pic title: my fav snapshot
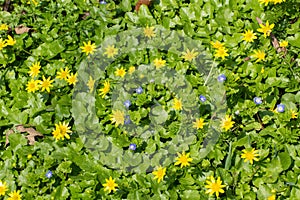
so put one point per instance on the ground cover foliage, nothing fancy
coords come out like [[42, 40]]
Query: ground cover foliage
[[178, 100]]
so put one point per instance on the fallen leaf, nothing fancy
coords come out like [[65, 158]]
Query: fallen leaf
[[32, 133], [22, 29], [141, 2]]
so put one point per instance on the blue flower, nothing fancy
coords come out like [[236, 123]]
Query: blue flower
[[132, 147], [221, 78], [103, 2], [49, 174], [127, 120], [257, 100], [139, 90], [202, 98], [127, 103], [280, 108]]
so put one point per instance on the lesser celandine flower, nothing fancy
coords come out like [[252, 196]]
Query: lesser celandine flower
[[2, 44], [3, 27], [249, 36], [294, 114], [227, 123], [158, 63], [72, 78], [272, 197], [131, 69], [266, 29], [217, 44], [283, 43], [259, 55], [46, 84], [177, 105], [91, 84], [10, 41], [199, 123], [33, 85], [106, 88], [61, 131], [189, 55], [15, 195], [149, 32], [221, 53], [117, 117], [266, 2], [111, 51], [183, 159], [3, 188], [214, 186], [110, 185], [120, 72], [88, 48], [250, 155], [159, 173], [34, 69], [63, 74]]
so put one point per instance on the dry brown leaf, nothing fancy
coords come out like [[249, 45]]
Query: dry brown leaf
[[140, 2], [22, 29], [32, 133]]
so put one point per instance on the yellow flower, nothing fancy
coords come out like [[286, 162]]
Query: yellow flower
[[159, 174], [183, 159], [131, 69], [149, 32], [278, 1], [33, 1], [177, 105], [199, 123], [117, 117], [214, 186], [61, 131], [88, 48], [103, 91], [15, 195], [29, 156], [91, 83], [266, 2], [158, 63], [33, 85], [217, 44], [63, 74], [221, 53], [2, 44], [10, 41], [34, 69], [110, 185], [227, 123], [283, 43], [272, 197], [260, 55], [3, 27], [249, 36], [72, 79], [262, 70], [3, 188], [189, 55], [120, 72], [294, 114], [266, 29], [46, 84], [111, 51], [250, 155]]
